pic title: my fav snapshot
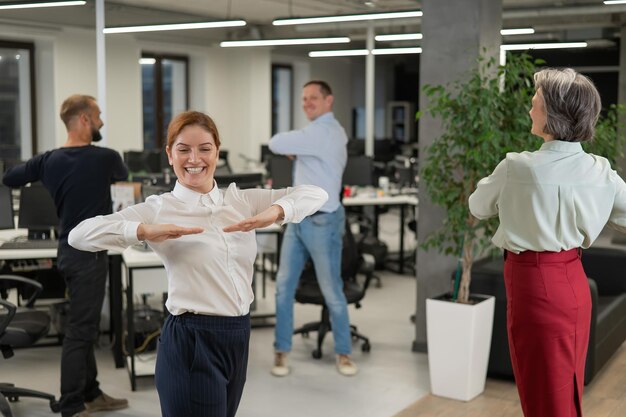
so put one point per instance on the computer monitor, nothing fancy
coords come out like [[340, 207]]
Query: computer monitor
[[243, 180], [280, 170], [266, 153], [143, 161], [147, 190], [163, 179], [356, 147], [37, 212], [359, 171], [6, 208]]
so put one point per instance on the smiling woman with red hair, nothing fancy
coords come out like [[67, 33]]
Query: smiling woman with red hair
[[205, 238]]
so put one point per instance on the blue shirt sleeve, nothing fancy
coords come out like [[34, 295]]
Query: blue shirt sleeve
[[299, 142]]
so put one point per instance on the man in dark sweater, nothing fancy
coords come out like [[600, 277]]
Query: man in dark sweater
[[78, 176]]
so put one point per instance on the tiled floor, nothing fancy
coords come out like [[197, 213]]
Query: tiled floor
[[391, 376]]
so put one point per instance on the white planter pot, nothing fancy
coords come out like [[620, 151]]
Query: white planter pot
[[459, 339]]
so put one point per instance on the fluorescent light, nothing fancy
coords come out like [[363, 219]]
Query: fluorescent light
[[177, 26], [398, 37], [520, 31], [609, 2], [347, 52], [555, 45], [396, 51], [275, 42], [347, 18], [363, 52], [147, 61], [47, 4]]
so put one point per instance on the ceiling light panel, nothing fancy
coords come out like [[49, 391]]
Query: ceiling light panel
[[347, 18], [38, 5], [176, 26], [285, 42]]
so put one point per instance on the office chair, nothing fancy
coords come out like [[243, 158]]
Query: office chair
[[308, 291], [223, 167], [21, 327]]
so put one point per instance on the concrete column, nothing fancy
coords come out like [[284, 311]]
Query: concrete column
[[455, 34], [621, 92]]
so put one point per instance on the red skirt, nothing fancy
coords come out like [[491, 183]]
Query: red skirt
[[548, 319]]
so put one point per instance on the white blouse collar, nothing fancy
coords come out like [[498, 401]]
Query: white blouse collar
[[195, 198]]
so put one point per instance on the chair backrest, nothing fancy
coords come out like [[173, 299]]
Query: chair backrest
[[359, 171], [308, 290], [280, 170]]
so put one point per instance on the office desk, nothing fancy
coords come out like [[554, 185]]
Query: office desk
[[115, 292], [135, 261], [401, 201]]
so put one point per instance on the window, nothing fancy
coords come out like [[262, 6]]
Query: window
[[282, 93], [17, 102], [165, 89]]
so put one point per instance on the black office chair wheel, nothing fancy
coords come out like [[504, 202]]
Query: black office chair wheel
[[365, 347], [317, 354], [55, 406], [12, 398]]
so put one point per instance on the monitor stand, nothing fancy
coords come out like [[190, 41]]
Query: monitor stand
[[39, 234]]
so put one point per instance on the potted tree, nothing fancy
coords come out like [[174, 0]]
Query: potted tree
[[483, 118]]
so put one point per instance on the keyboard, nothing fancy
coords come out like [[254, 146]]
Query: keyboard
[[30, 244]]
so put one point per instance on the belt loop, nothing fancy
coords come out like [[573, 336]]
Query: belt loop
[[537, 258], [580, 253]]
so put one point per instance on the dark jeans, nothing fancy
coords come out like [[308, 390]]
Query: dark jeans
[[85, 275]]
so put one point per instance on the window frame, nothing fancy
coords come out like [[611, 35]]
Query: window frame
[[157, 83], [30, 46]]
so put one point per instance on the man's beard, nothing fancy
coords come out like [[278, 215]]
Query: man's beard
[[96, 136]]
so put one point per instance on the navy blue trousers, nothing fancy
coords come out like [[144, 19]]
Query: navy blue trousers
[[201, 365]]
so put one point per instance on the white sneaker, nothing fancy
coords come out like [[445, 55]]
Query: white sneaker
[[280, 367], [345, 366]]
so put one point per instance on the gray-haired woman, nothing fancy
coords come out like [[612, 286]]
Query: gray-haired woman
[[551, 203]]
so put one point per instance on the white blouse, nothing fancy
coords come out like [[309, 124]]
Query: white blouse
[[553, 199], [211, 272]]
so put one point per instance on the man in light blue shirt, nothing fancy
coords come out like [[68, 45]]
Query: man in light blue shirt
[[319, 154]]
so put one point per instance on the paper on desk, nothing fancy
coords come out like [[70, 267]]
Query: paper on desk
[[123, 195]]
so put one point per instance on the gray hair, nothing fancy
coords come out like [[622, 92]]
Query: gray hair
[[572, 104]]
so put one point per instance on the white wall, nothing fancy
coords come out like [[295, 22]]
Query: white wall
[[238, 97], [337, 72], [44, 93], [124, 115], [301, 75], [383, 82], [233, 86]]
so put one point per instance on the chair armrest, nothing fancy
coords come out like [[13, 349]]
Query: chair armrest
[[37, 287], [6, 318]]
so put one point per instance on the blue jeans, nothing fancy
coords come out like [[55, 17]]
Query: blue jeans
[[320, 238]]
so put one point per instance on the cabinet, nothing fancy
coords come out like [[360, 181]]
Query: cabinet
[[401, 121]]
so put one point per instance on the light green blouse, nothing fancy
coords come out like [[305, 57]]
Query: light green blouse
[[553, 199]]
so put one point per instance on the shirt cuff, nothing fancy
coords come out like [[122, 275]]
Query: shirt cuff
[[130, 232], [288, 209]]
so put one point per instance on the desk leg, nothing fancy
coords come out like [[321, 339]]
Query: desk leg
[[130, 329], [115, 306], [401, 260]]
